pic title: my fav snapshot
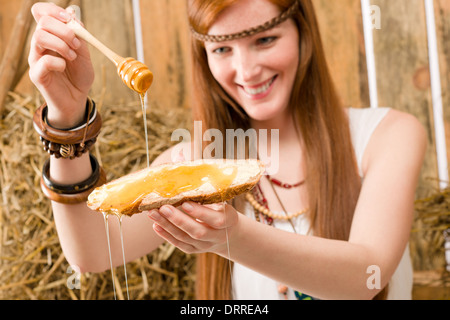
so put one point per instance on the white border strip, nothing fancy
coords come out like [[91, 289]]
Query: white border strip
[[138, 30], [370, 53], [138, 36], [439, 127]]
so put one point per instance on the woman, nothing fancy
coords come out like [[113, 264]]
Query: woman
[[338, 180]]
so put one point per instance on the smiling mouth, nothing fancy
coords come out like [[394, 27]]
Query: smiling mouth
[[261, 89]]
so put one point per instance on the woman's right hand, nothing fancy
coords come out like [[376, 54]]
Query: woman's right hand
[[60, 65]]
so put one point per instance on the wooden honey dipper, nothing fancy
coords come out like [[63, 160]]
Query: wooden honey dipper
[[133, 73]]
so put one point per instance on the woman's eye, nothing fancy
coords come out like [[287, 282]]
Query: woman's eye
[[266, 40], [221, 50]]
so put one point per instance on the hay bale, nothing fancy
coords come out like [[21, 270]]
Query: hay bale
[[427, 244], [432, 218], [32, 265]]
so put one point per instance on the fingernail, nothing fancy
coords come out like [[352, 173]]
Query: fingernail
[[76, 43], [187, 206], [72, 54], [166, 211], [65, 16], [217, 206], [153, 215], [157, 227]]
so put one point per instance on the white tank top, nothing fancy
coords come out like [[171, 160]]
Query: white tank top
[[250, 285]]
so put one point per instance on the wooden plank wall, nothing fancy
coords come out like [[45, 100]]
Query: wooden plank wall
[[403, 70], [343, 40], [442, 8], [111, 22], [166, 47], [401, 52], [8, 11], [400, 48]]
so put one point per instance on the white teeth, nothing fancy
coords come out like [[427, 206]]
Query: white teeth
[[259, 90]]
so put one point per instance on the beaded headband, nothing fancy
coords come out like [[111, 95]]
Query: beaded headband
[[249, 32]]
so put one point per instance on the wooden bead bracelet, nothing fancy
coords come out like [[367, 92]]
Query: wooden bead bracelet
[[67, 151]]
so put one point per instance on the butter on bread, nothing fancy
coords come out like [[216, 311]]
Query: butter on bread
[[204, 181]]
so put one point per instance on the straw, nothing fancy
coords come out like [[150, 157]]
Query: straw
[[32, 264]]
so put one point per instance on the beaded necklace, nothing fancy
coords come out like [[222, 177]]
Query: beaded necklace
[[258, 201], [285, 185]]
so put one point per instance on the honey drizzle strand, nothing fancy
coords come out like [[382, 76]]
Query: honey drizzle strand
[[144, 115], [119, 217], [105, 217]]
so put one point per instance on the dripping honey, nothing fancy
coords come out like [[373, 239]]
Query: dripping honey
[[167, 183], [138, 78], [144, 115], [135, 75]]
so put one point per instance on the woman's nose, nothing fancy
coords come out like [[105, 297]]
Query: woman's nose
[[246, 65]]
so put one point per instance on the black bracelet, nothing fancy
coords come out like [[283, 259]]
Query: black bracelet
[[73, 188]]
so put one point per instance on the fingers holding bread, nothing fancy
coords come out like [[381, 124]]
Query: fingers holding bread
[[194, 228], [218, 216]]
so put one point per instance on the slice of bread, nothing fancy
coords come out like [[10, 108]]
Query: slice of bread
[[201, 181]]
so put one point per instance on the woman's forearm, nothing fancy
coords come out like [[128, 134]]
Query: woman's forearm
[[79, 230], [323, 268], [82, 232]]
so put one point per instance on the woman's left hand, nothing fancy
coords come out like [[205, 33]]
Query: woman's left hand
[[195, 228]]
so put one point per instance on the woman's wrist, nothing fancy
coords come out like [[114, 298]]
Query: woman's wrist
[[71, 181], [67, 172], [66, 118], [233, 239]]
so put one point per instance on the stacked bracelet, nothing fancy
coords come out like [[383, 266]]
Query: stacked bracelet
[[70, 143], [75, 193]]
